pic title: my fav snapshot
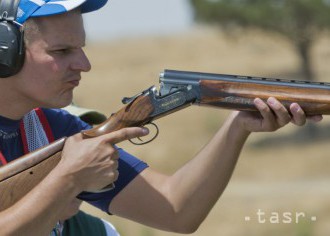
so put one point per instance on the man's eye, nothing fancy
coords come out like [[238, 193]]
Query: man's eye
[[62, 51]]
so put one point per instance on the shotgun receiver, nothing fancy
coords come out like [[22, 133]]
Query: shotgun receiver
[[178, 89]]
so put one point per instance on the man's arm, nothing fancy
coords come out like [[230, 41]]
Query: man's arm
[[86, 164], [38, 211], [181, 202]]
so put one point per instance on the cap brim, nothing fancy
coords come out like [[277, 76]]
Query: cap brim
[[37, 8], [88, 115]]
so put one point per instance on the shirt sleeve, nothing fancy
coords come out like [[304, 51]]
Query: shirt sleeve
[[65, 124]]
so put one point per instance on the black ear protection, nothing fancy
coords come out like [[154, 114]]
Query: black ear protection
[[11, 39]]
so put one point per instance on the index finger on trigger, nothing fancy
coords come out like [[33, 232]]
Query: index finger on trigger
[[125, 134]]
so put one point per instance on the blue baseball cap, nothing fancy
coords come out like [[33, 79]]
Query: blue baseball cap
[[36, 8]]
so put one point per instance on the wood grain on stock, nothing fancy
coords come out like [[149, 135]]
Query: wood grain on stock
[[20, 176], [240, 96], [136, 113]]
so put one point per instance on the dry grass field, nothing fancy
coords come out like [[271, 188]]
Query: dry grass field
[[281, 180]]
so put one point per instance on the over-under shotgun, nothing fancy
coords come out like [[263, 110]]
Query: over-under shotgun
[[178, 89]]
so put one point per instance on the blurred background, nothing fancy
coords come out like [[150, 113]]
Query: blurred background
[[281, 183]]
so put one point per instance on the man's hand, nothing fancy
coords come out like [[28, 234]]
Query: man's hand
[[273, 115], [92, 163]]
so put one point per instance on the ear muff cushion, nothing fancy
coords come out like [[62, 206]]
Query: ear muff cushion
[[11, 49]]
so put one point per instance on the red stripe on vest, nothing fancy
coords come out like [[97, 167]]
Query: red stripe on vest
[[2, 159], [44, 122], [23, 137]]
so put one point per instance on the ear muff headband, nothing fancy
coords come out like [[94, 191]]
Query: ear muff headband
[[11, 39]]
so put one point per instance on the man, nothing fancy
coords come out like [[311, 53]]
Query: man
[[54, 60]]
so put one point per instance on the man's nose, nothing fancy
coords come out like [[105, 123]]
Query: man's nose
[[81, 62]]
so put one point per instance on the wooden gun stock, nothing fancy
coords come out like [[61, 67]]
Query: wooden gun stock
[[178, 89], [22, 175]]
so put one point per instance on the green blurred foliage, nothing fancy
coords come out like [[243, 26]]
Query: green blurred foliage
[[301, 21]]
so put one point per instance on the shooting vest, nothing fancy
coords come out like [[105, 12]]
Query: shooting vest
[[35, 132]]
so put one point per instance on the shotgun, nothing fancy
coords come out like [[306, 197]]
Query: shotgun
[[177, 90]]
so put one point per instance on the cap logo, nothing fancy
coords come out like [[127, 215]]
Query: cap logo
[[27, 8]]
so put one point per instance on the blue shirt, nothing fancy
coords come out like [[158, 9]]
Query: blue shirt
[[64, 124]]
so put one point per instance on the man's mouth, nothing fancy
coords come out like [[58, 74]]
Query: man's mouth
[[75, 83]]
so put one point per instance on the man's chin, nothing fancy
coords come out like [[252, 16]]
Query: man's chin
[[59, 104]]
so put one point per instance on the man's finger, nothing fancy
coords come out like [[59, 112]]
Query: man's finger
[[298, 115], [263, 109], [282, 115], [124, 134]]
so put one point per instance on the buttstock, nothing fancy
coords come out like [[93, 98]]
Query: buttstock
[[19, 177]]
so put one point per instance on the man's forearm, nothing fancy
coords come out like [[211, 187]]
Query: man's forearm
[[38, 211], [180, 202], [201, 181]]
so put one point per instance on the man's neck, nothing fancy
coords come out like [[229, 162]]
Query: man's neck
[[10, 111], [13, 108]]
